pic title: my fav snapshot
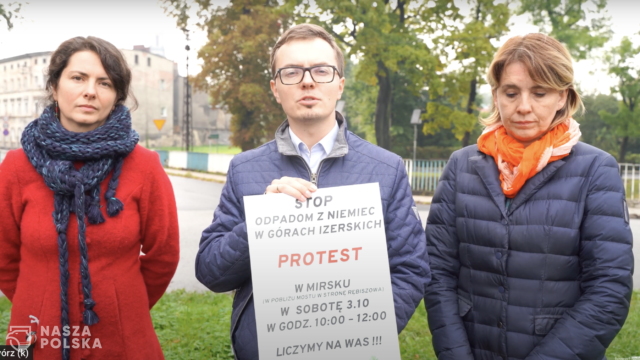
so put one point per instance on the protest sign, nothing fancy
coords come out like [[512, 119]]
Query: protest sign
[[320, 272]]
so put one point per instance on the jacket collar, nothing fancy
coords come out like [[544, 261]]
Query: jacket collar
[[488, 171], [286, 147]]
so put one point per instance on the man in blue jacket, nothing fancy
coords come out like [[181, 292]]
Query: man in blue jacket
[[312, 149]]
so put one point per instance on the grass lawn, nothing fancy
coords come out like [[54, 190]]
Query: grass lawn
[[5, 316], [213, 149], [196, 326]]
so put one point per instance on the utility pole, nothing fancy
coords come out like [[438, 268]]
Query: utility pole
[[187, 127], [415, 121]]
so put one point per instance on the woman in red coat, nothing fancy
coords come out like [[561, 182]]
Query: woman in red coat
[[82, 281]]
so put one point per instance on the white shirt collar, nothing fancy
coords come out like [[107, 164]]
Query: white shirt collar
[[326, 142]]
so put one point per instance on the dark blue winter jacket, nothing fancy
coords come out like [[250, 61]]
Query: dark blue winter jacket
[[223, 263], [546, 275]]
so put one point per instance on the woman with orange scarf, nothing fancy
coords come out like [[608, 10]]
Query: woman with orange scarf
[[528, 232]]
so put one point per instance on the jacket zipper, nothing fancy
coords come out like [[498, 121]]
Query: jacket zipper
[[313, 177], [314, 180]]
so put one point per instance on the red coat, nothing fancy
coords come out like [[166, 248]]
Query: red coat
[[132, 258]]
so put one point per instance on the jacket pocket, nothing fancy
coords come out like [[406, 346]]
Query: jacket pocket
[[464, 306], [544, 323]]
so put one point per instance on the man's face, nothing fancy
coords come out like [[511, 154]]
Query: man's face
[[307, 102]]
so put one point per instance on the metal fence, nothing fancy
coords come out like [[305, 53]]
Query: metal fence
[[630, 174], [424, 174]]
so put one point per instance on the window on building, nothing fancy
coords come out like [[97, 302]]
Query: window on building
[[44, 61], [135, 59], [35, 61], [163, 111], [35, 81], [11, 87], [26, 106], [18, 106], [148, 61], [11, 66], [18, 65], [161, 84], [25, 83], [35, 108], [25, 64]]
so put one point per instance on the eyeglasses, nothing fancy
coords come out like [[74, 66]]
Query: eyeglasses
[[320, 74]]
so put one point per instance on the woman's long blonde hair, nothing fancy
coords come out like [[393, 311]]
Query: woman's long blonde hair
[[549, 64]]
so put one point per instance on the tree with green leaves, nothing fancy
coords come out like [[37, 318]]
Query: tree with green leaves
[[236, 68], [388, 40], [595, 130], [9, 12], [626, 122], [360, 103], [582, 25], [453, 104]]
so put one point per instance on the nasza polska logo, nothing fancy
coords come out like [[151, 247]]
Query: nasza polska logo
[[75, 337]]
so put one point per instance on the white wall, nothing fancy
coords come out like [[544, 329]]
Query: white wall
[[219, 163], [177, 159]]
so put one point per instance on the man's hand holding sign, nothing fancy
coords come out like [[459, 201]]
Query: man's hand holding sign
[[298, 188]]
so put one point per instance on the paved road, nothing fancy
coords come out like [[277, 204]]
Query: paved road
[[197, 199]]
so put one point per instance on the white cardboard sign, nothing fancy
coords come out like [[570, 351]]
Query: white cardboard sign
[[320, 272]]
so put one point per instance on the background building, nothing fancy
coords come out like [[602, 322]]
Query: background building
[[153, 86], [22, 95], [206, 119], [156, 85]]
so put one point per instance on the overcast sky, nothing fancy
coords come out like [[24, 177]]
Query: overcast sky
[[125, 23]]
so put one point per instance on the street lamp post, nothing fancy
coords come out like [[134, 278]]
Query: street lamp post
[[187, 136], [415, 121]]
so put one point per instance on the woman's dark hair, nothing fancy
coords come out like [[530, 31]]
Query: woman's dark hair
[[112, 60]]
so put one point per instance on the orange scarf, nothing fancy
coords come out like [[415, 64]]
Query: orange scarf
[[518, 164]]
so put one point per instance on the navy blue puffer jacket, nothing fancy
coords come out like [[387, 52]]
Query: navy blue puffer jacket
[[545, 276], [223, 263]]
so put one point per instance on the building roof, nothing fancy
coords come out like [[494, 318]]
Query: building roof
[[25, 56], [46, 53], [149, 50]]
